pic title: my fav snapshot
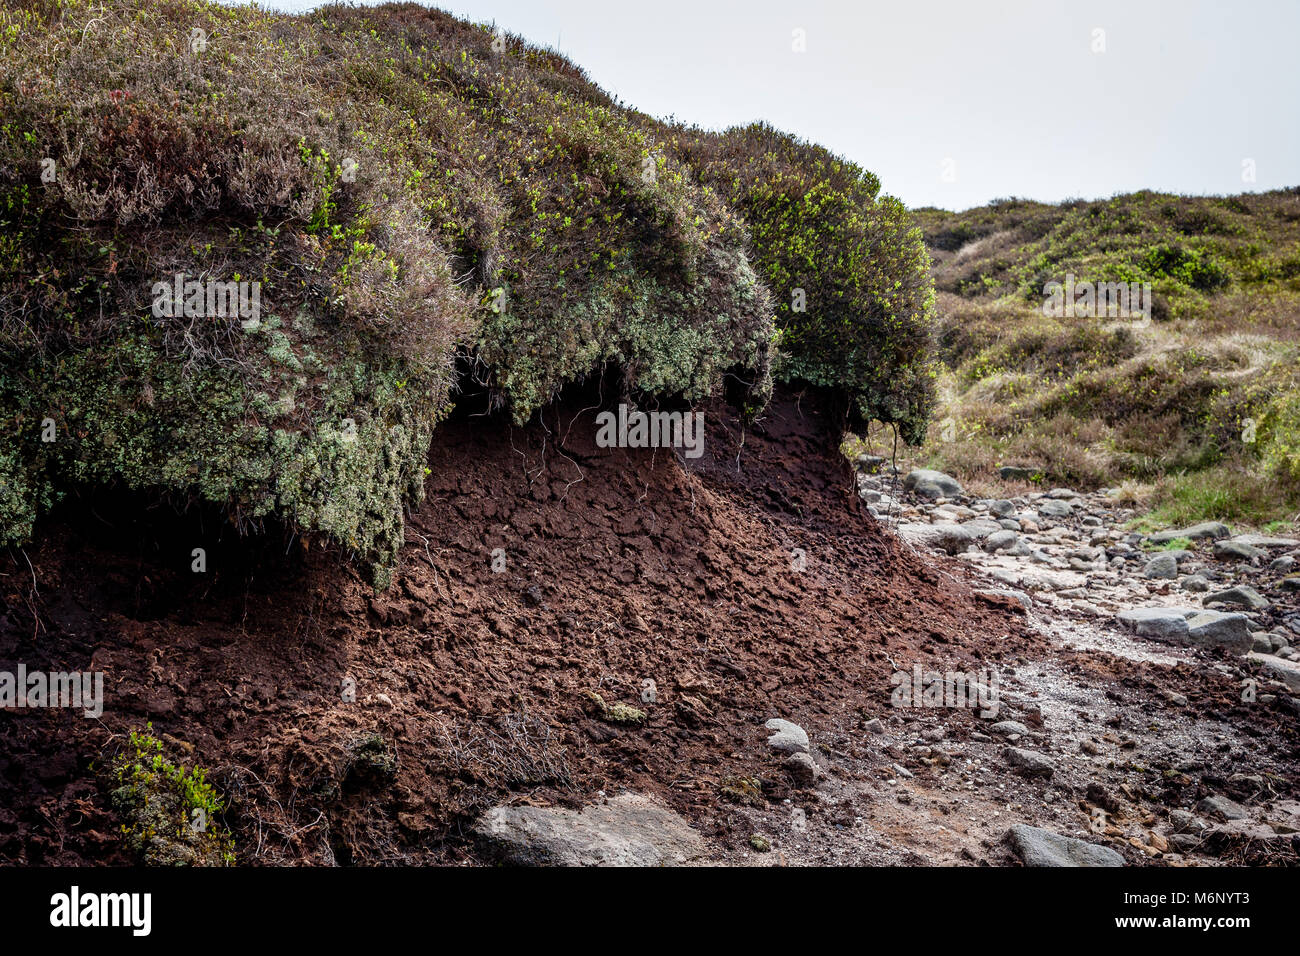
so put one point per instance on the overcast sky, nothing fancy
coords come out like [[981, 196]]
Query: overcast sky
[[957, 102]]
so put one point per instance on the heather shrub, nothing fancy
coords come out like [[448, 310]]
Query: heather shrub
[[848, 270], [418, 201]]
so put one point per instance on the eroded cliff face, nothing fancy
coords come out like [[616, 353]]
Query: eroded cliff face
[[541, 571]]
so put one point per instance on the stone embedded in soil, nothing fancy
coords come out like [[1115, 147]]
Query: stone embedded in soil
[[1034, 764], [1206, 529], [1038, 847], [1001, 540], [1160, 623], [1020, 597], [1242, 594], [951, 538], [626, 830], [1054, 508], [1220, 629], [1236, 550], [1220, 806], [931, 484], [1265, 541], [1009, 728], [802, 769], [1184, 821], [1162, 566], [787, 737], [1284, 670], [1014, 473]]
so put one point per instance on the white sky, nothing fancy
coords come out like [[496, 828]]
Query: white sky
[[1010, 91]]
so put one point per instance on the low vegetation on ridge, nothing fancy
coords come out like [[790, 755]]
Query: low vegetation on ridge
[[1194, 408]]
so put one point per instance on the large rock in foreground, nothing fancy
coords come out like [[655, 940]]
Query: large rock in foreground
[[627, 830], [1220, 629], [1039, 847], [1181, 625]]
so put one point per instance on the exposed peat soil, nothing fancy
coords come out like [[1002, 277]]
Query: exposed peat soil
[[746, 584]]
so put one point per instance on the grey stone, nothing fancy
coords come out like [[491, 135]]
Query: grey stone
[[1265, 541], [1220, 629], [1002, 508], [1015, 473], [1161, 623], [1195, 582], [786, 737], [1279, 668], [1241, 594], [982, 527], [1053, 508], [1235, 550], [1289, 585], [1184, 821], [1206, 529], [953, 538], [1001, 540], [1032, 763], [1161, 567], [946, 485], [1220, 806], [627, 830], [802, 769], [1009, 728], [1038, 847]]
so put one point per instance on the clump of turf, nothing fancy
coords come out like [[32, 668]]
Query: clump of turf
[[413, 199]]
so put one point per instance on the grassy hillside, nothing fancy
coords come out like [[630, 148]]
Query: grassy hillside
[[1197, 410], [420, 201]]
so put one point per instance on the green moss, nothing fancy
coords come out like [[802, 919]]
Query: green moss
[[615, 713], [745, 790], [173, 815]]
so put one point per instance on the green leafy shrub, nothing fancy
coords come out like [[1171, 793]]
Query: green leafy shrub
[[848, 269], [1200, 270]]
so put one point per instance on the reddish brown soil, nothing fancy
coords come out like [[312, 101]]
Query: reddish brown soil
[[621, 566]]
